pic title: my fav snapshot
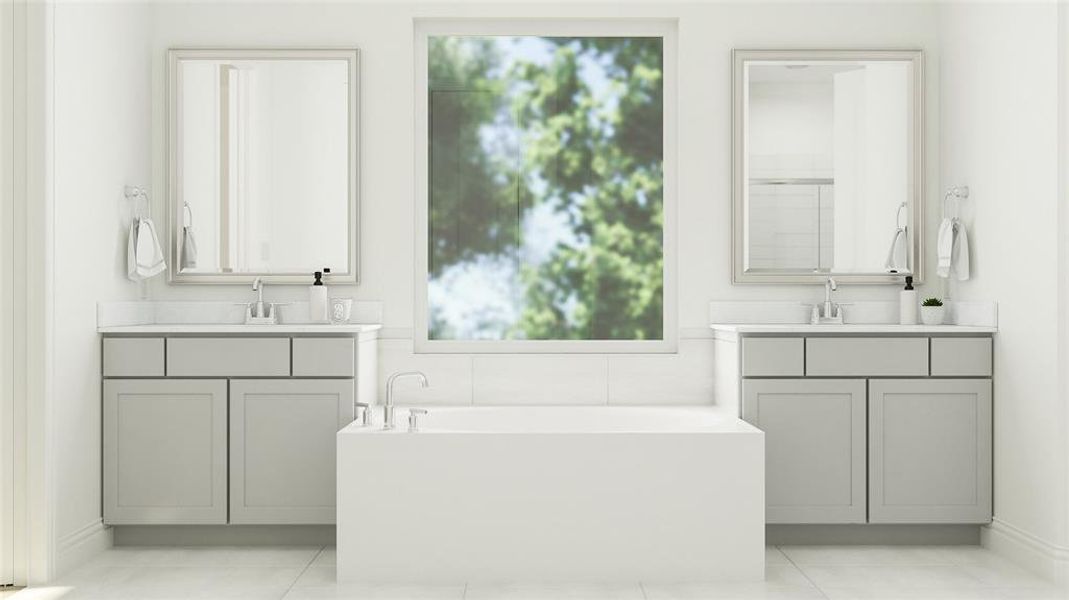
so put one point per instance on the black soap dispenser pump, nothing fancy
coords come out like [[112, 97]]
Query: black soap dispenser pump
[[907, 304], [318, 299]]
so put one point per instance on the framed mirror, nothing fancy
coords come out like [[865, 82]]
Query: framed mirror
[[263, 173], [828, 165]]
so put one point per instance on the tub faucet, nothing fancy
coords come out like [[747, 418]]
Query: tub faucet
[[387, 409]]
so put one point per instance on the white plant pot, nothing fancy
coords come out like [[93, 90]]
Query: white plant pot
[[932, 315]]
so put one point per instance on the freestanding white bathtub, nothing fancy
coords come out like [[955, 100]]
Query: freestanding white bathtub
[[552, 494]]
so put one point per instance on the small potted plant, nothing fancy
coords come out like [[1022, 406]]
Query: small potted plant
[[932, 311]]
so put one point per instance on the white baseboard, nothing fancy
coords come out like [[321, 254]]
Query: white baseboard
[[77, 547], [1036, 554]]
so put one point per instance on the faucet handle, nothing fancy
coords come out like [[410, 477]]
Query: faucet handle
[[363, 411], [413, 418]]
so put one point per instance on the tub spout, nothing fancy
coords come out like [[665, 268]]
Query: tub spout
[[387, 409]]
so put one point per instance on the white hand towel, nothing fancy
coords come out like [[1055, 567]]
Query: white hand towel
[[896, 254], [944, 247], [189, 248], [959, 256], [131, 251], [149, 254]]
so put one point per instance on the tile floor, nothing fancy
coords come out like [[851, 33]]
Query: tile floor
[[793, 572]]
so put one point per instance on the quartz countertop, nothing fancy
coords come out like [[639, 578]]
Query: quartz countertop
[[848, 328], [241, 328]]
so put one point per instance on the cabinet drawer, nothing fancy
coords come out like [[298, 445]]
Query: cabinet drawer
[[324, 357], [867, 357], [773, 357], [133, 357], [961, 357], [228, 357]]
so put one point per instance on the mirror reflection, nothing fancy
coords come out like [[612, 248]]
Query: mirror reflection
[[264, 149], [828, 170]]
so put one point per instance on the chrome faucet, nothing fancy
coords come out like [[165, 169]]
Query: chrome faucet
[[830, 309], [258, 308], [387, 409], [827, 312], [259, 312]]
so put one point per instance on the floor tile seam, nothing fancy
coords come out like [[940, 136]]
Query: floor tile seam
[[804, 574], [303, 571]]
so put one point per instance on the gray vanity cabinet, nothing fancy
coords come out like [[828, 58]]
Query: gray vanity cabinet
[[930, 450], [868, 427], [165, 447], [282, 448], [229, 429], [814, 447]]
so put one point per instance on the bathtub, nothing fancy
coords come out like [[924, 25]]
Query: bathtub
[[607, 494]]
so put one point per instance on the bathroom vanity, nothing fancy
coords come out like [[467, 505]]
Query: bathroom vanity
[[866, 423], [215, 424]]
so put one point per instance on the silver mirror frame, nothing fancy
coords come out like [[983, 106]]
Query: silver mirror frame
[[738, 137], [174, 196]]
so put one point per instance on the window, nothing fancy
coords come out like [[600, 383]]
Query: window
[[544, 191]]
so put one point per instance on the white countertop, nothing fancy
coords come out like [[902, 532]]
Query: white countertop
[[848, 328], [239, 328]]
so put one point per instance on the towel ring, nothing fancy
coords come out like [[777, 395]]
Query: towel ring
[[188, 214], [958, 193], [898, 216], [135, 194]]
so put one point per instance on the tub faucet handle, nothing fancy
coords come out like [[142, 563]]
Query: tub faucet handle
[[362, 410], [413, 418]]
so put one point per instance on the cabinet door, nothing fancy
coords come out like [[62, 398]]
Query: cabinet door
[[930, 451], [814, 447], [164, 451], [282, 448]]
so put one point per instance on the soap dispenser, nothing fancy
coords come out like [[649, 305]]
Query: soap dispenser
[[318, 299], [907, 304]]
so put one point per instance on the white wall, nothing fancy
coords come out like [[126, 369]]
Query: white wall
[[7, 308], [102, 124], [999, 96], [1063, 254], [707, 33]]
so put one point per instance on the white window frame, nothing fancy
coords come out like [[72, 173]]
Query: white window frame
[[663, 28]]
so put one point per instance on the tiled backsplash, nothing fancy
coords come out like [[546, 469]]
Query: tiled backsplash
[[147, 313], [685, 377]]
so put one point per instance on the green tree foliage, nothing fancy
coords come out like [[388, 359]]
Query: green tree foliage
[[597, 163]]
